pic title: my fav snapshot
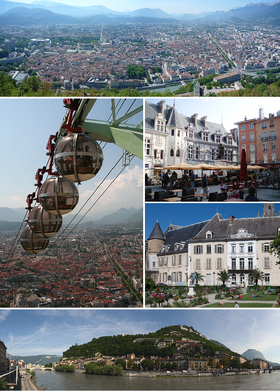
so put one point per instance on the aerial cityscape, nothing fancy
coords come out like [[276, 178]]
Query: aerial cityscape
[[61, 50], [103, 106]]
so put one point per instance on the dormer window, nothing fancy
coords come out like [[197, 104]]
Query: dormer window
[[182, 245], [218, 139], [176, 246], [209, 235]]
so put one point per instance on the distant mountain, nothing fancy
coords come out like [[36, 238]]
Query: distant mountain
[[253, 13], [250, 354], [218, 343], [12, 215], [35, 16], [150, 13], [40, 359], [121, 216]]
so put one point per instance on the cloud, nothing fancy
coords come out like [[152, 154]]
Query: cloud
[[4, 314], [126, 191]]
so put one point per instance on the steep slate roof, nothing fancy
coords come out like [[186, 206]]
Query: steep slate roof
[[259, 227], [182, 234], [181, 121], [156, 232]]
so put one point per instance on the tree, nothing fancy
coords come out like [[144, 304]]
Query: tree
[[257, 275], [211, 362], [223, 276], [149, 283], [121, 362], [197, 277], [275, 248]]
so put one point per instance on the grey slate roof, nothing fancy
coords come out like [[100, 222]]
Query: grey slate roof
[[156, 232], [179, 235], [182, 121], [259, 227]]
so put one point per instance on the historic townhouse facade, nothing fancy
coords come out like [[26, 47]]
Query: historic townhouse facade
[[236, 245], [259, 137], [172, 138]]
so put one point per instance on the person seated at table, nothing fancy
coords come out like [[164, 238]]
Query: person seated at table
[[234, 194], [251, 196], [241, 192]]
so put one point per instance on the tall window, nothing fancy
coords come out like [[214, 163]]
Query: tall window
[[233, 263], [190, 154], [263, 125], [178, 153], [243, 137], [208, 263], [208, 248], [266, 263], [171, 152], [250, 263], [242, 264], [197, 264], [147, 146], [219, 263], [251, 136], [198, 249]]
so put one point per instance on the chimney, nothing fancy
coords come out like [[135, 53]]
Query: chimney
[[203, 119], [194, 117], [230, 219], [161, 105], [261, 114]]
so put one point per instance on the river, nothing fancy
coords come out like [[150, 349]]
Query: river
[[79, 381]]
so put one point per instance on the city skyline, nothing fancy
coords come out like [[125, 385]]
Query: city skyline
[[24, 148], [177, 7], [32, 332]]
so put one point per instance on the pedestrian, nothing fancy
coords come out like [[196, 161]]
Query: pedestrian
[[241, 192], [192, 180], [236, 305], [204, 184], [162, 178]]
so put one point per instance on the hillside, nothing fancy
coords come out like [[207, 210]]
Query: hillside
[[122, 345], [40, 359]]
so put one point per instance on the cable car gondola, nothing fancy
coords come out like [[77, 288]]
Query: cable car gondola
[[78, 157], [43, 223], [58, 196], [31, 242]]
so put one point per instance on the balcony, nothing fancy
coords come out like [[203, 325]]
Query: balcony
[[272, 137], [244, 271], [264, 138]]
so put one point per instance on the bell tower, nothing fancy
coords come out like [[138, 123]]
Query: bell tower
[[268, 209]]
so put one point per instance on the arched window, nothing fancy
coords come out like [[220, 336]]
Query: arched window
[[178, 153], [171, 152]]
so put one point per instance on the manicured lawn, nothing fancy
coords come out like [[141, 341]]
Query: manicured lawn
[[241, 305], [248, 296]]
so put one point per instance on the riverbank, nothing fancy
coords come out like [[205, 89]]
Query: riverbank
[[157, 374]]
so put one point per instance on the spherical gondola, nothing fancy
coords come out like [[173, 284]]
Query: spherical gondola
[[43, 223], [58, 196], [78, 157], [31, 242]]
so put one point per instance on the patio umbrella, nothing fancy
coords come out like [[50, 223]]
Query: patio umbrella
[[243, 167], [256, 167], [179, 166]]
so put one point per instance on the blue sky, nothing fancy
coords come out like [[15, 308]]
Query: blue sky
[[226, 111], [189, 213], [174, 7], [26, 125], [32, 332]]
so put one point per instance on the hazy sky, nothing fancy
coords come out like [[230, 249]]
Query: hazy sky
[[26, 125], [227, 111], [185, 214], [32, 332], [172, 7]]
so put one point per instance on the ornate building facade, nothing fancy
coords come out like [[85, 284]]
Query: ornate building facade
[[172, 137], [236, 245]]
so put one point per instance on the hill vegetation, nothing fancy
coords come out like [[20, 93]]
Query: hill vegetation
[[123, 345]]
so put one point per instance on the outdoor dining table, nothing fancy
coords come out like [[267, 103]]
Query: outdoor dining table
[[200, 195], [172, 199]]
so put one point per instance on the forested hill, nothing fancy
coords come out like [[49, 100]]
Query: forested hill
[[122, 345]]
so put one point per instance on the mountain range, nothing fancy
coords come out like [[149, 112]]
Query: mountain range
[[40, 359], [10, 219], [44, 11]]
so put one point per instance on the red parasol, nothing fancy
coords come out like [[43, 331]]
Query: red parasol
[[243, 167]]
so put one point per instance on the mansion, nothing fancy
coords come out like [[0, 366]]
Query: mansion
[[172, 138], [236, 245]]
